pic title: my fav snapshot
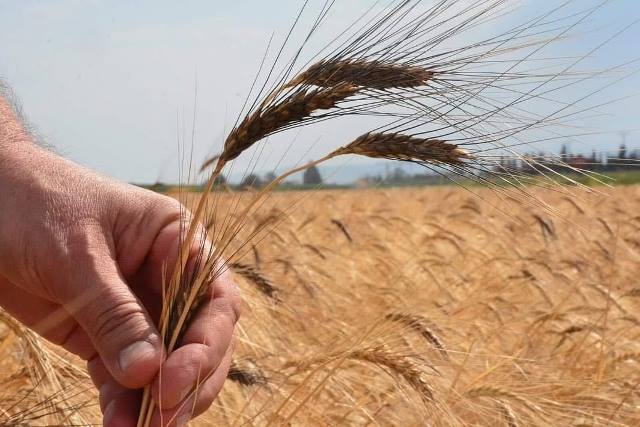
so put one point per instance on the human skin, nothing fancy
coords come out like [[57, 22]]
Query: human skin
[[81, 263]]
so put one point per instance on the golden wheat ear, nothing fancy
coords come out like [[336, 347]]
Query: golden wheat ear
[[58, 388]]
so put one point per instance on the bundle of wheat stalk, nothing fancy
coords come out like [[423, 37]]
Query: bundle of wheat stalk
[[440, 111]]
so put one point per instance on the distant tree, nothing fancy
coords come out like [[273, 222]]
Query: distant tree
[[398, 175], [220, 181], [312, 176], [564, 153], [251, 180], [528, 164], [158, 187], [269, 177], [501, 164], [373, 179], [624, 159], [593, 161]]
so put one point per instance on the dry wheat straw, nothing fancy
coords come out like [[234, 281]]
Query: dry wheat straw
[[508, 415], [397, 365], [502, 395], [45, 375], [422, 326]]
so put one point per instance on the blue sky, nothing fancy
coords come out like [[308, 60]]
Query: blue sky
[[111, 84]]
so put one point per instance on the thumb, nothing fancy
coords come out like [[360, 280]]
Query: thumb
[[115, 320]]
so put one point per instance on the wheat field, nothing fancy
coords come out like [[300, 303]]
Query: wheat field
[[406, 307]]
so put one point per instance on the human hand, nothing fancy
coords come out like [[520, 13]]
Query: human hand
[[81, 259]]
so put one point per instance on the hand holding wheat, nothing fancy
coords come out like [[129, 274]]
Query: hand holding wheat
[[81, 263]]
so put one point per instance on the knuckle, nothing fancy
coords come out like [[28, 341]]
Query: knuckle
[[230, 309], [115, 320], [172, 207]]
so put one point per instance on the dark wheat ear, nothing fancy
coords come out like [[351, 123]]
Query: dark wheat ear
[[246, 373], [253, 275], [422, 326], [396, 146], [272, 117], [363, 73], [209, 162]]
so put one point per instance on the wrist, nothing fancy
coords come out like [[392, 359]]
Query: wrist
[[16, 185], [18, 157], [19, 160], [12, 130]]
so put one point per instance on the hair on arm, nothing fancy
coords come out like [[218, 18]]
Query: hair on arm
[[14, 127]]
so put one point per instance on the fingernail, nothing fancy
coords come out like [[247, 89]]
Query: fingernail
[[183, 420], [108, 413], [135, 352]]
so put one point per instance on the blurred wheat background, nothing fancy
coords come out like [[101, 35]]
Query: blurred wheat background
[[409, 307]]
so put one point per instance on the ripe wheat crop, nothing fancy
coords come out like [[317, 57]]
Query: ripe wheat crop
[[507, 305], [441, 310]]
